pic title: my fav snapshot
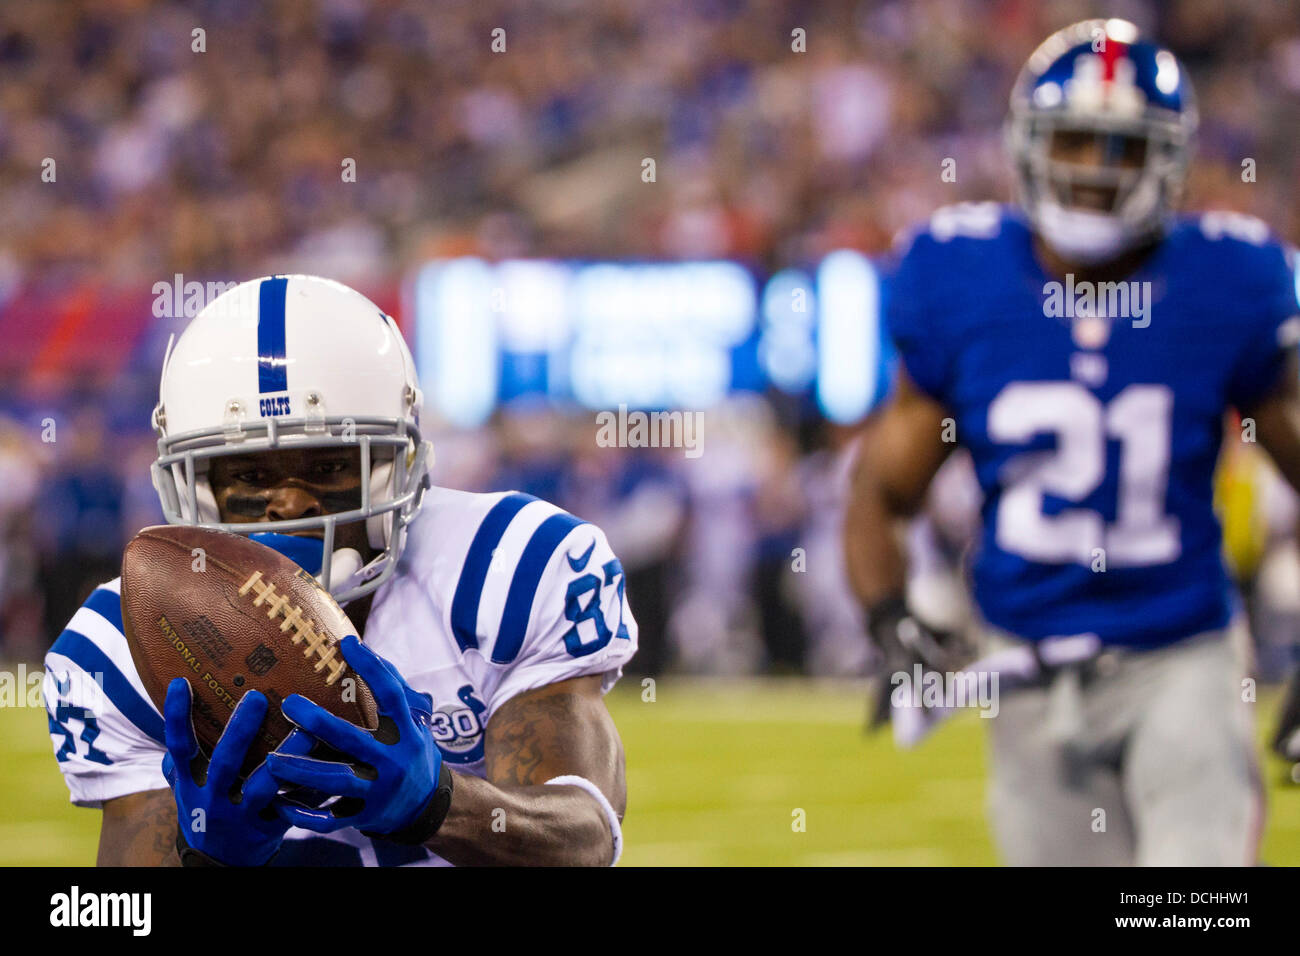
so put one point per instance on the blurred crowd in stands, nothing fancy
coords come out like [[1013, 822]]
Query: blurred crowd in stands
[[780, 130], [229, 161]]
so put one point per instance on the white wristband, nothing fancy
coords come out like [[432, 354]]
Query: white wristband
[[582, 783]]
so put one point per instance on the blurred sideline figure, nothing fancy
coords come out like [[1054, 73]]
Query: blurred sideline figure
[[1260, 512], [20, 599], [1084, 347]]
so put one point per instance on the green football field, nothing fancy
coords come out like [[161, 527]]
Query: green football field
[[718, 773]]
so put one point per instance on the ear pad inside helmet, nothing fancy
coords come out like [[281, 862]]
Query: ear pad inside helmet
[[379, 529], [203, 497], [207, 501]]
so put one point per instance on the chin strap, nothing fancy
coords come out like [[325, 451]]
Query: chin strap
[[345, 566]]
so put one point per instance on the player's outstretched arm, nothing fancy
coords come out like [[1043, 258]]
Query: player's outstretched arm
[[513, 817], [139, 829], [899, 454]]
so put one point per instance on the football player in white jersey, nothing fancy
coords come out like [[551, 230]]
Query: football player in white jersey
[[492, 624]]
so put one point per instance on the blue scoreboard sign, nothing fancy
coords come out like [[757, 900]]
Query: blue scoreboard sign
[[646, 335]]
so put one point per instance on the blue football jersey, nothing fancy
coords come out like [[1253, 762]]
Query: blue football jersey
[[1094, 414]]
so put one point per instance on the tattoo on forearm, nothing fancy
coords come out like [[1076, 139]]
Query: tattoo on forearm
[[145, 834], [541, 734], [527, 731], [162, 826]]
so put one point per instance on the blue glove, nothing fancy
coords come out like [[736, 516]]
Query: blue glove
[[395, 786], [228, 832]]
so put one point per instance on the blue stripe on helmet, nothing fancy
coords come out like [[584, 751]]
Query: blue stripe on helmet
[[272, 376]]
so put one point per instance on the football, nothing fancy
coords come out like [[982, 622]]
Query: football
[[232, 615]]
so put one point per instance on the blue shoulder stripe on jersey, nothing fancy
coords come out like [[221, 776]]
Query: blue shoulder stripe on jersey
[[82, 651], [469, 589], [272, 376], [523, 587], [108, 606]]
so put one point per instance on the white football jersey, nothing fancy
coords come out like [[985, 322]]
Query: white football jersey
[[495, 594]]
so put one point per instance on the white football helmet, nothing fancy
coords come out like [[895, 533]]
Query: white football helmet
[[296, 362]]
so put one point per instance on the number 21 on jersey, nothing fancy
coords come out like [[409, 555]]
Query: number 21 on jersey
[[1139, 418]]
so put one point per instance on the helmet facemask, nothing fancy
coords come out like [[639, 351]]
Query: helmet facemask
[[1056, 191], [393, 473]]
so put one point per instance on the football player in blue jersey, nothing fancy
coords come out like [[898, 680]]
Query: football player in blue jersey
[[1085, 346], [492, 623]]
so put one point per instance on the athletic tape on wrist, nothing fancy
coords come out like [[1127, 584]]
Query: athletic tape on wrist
[[582, 783]]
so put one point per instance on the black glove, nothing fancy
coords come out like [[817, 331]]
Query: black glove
[[1286, 742], [905, 641]]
